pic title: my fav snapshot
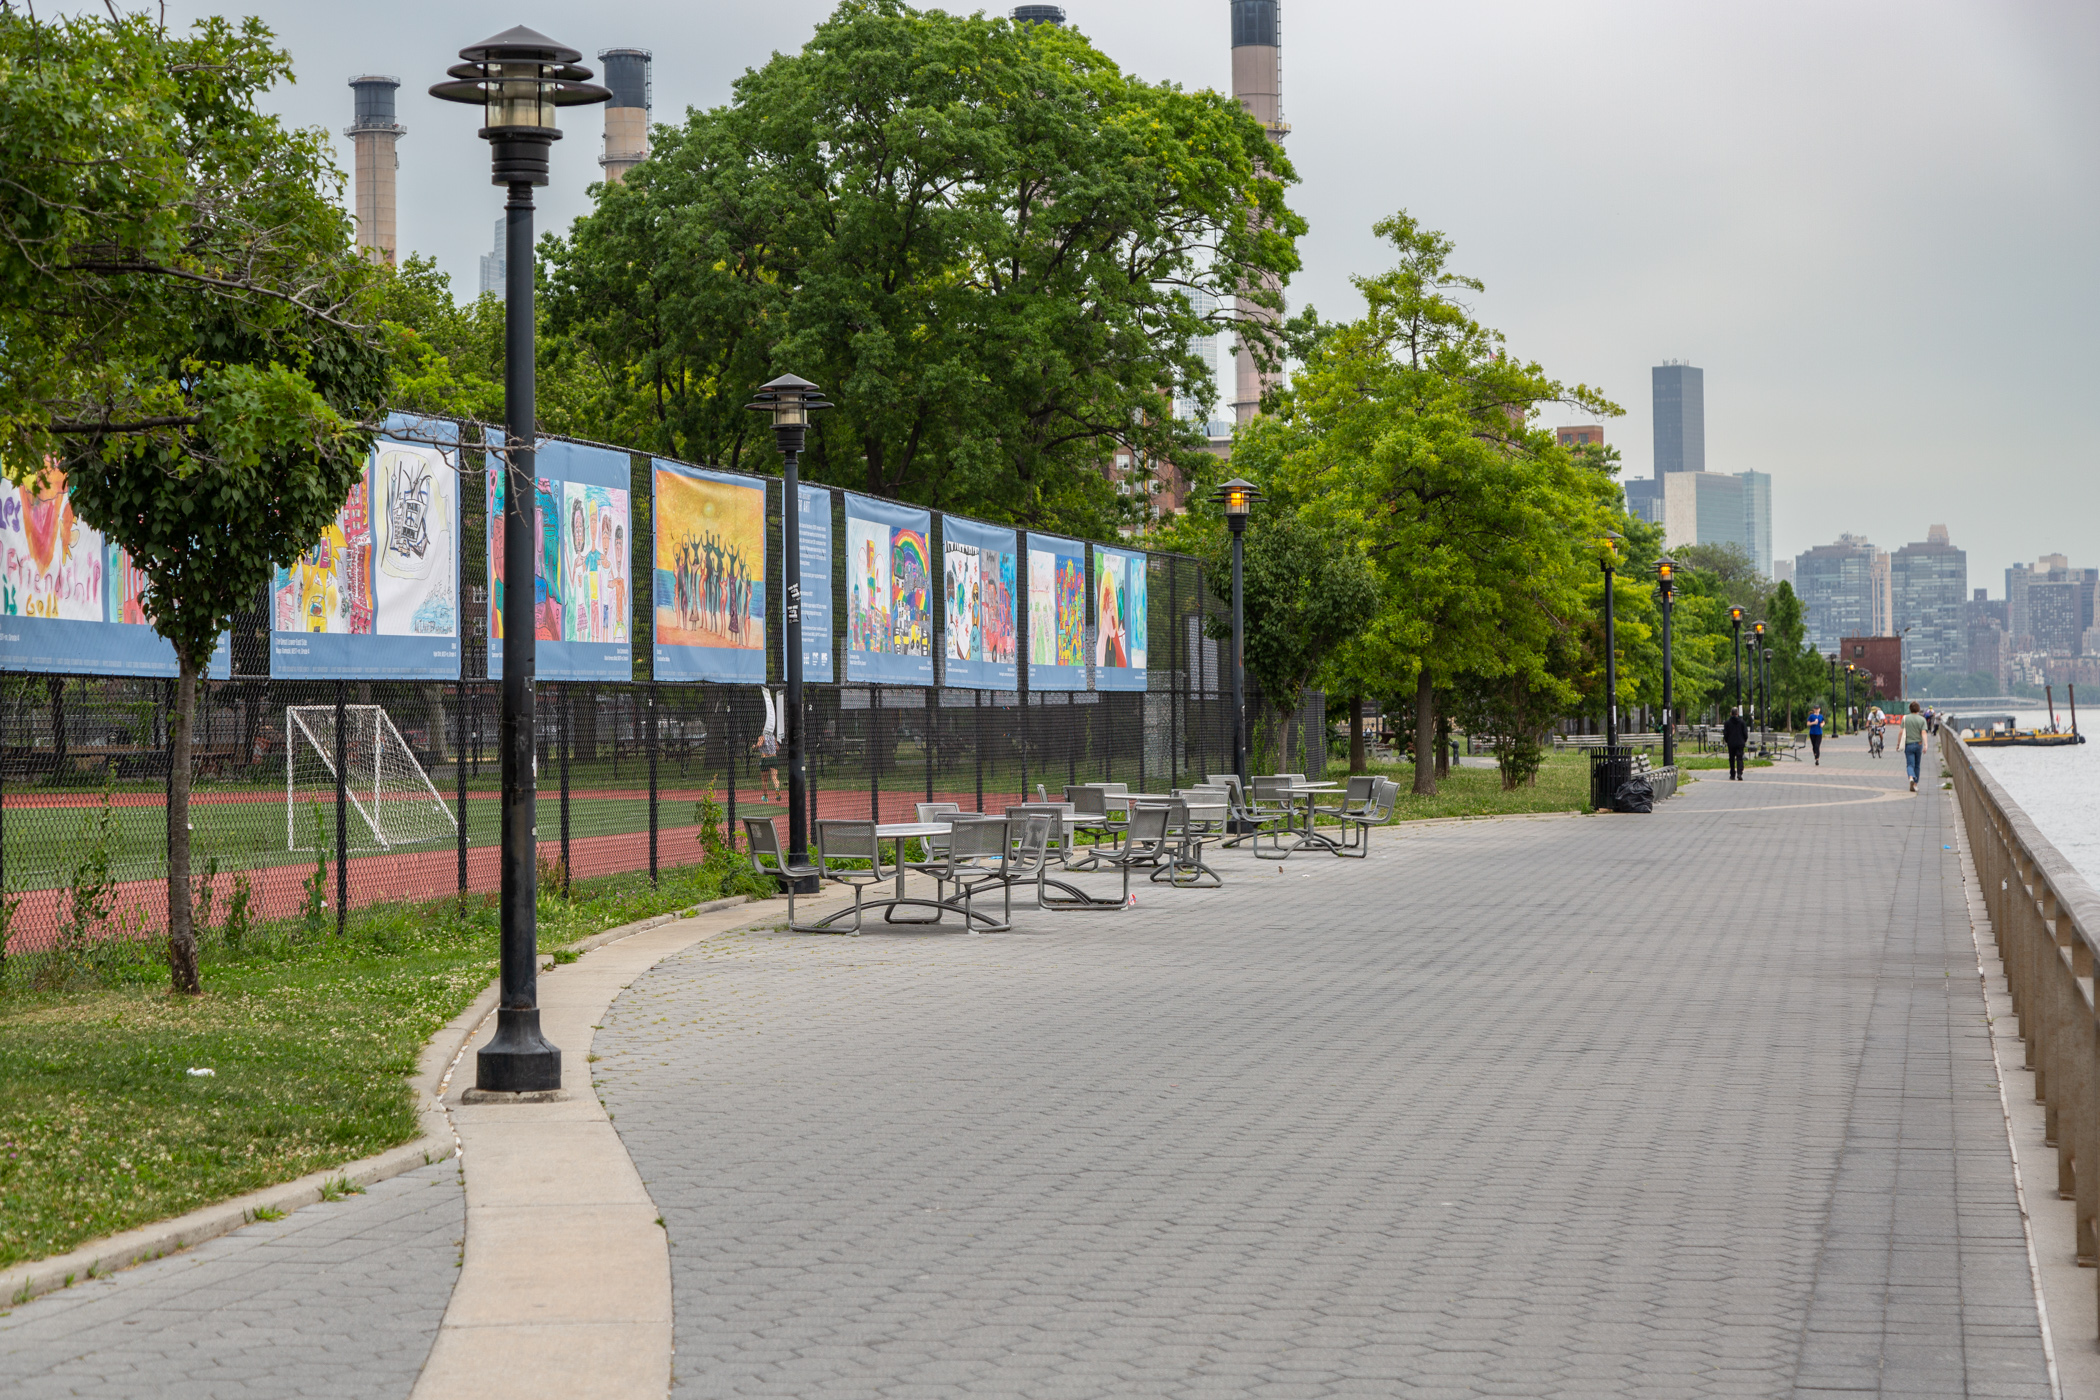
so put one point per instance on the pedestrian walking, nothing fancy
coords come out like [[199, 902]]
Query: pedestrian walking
[[1736, 734], [1913, 743], [1815, 734]]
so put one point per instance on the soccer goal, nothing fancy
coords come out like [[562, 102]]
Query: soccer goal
[[392, 802]]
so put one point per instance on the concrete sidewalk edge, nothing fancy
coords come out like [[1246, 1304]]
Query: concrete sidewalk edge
[[434, 1142]]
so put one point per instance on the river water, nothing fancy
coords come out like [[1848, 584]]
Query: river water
[[2059, 789]]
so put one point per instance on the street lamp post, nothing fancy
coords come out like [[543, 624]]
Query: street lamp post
[[1849, 671], [1238, 498], [791, 400], [1735, 616], [1763, 702], [518, 78], [1666, 582], [1764, 693], [1834, 684], [1609, 563]]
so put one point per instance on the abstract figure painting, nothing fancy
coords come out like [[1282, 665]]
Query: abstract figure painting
[[1056, 613], [709, 575], [377, 596], [889, 592], [1119, 619], [979, 569]]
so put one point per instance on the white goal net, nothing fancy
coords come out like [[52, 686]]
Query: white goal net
[[391, 801]]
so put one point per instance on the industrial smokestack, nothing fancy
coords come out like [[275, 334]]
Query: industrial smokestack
[[627, 115], [373, 135], [1039, 14], [1257, 81]]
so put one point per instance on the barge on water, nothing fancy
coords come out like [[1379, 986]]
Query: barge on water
[[2000, 732]]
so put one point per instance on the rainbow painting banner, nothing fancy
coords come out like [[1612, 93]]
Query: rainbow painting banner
[[70, 601], [889, 592], [583, 597], [1119, 619], [1056, 613], [980, 574], [710, 575], [377, 596]]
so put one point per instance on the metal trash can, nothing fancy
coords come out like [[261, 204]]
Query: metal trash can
[[1609, 767]]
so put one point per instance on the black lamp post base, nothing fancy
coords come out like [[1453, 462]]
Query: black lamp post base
[[519, 1060]]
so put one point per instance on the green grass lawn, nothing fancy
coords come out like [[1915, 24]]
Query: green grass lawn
[[309, 1038]]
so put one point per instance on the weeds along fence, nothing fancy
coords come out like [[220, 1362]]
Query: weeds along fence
[[313, 800]]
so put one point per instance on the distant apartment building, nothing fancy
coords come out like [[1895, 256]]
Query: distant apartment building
[[1840, 587], [1881, 658], [493, 264], [1989, 645], [1680, 418], [1580, 435], [2050, 606], [1928, 591], [1703, 508], [1206, 349], [1644, 499], [1884, 595], [1757, 517], [1783, 572]]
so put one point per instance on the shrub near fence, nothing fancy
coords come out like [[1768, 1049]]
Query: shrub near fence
[[2046, 920]]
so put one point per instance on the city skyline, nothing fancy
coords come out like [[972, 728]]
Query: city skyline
[[1810, 264]]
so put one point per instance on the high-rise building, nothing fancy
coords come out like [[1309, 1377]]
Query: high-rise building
[[373, 136], [2056, 615], [1205, 348], [1990, 649], [1928, 590], [1837, 583], [493, 265], [1704, 508], [1680, 418], [1644, 499], [1257, 81], [2050, 568], [627, 114], [1757, 517], [1783, 572], [1039, 14]]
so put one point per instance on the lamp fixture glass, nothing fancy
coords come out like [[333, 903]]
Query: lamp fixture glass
[[1237, 496], [518, 78]]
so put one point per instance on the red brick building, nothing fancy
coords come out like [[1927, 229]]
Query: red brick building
[[1882, 660]]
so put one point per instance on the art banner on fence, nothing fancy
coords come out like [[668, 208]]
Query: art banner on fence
[[69, 599], [979, 572], [710, 575], [377, 596], [1119, 619], [583, 598], [813, 504], [889, 592], [1056, 613]]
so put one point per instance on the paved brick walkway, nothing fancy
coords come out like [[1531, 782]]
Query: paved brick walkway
[[338, 1300], [1691, 1104]]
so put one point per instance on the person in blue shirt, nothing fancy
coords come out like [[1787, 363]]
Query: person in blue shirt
[[1815, 734]]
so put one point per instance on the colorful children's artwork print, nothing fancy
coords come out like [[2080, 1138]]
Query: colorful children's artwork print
[[415, 519], [710, 575], [55, 566], [1057, 657], [594, 562], [1119, 619], [889, 593], [980, 573], [328, 588], [71, 600], [582, 574]]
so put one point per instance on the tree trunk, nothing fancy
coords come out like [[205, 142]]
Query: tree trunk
[[182, 938], [1443, 746], [1356, 734], [1425, 735]]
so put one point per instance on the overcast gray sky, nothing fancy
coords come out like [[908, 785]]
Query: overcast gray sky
[[1873, 225]]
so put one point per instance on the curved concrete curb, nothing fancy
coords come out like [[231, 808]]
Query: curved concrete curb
[[564, 1290], [434, 1142]]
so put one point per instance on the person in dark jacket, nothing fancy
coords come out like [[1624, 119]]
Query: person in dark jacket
[[1736, 734]]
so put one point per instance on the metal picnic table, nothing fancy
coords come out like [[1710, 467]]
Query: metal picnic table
[[1310, 836]]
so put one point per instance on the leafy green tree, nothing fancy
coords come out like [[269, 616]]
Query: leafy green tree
[[991, 247], [185, 322], [1411, 430]]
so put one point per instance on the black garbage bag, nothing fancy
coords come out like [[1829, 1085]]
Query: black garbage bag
[[1636, 794]]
